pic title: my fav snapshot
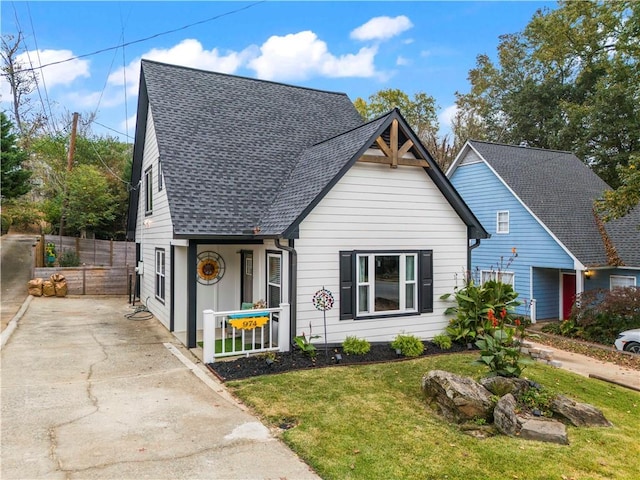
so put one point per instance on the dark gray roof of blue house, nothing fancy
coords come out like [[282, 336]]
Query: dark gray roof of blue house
[[560, 190], [239, 153]]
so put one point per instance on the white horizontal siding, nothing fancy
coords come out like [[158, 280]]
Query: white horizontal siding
[[157, 232], [374, 207]]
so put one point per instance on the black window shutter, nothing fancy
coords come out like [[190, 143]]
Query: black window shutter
[[426, 281], [347, 292]]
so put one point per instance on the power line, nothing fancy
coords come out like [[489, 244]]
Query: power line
[[133, 42], [109, 128]]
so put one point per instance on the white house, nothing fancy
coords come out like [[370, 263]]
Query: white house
[[255, 190]]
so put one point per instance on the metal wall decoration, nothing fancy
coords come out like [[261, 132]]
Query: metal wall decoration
[[211, 268]]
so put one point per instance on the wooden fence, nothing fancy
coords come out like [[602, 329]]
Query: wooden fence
[[104, 253], [92, 280]]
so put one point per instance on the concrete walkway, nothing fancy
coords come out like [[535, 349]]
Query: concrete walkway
[[590, 367], [87, 393]]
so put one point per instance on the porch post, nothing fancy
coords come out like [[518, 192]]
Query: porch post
[[209, 336], [284, 328], [579, 282], [192, 319]]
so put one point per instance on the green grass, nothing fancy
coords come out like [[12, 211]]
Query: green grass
[[370, 422], [228, 345]]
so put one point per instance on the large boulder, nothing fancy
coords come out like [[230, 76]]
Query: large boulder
[[579, 414], [457, 398], [504, 416], [502, 385], [544, 431]]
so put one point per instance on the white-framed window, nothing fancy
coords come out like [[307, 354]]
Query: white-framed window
[[160, 183], [148, 191], [160, 274], [505, 277], [274, 280], [621, 281], [502, 221], [386, 283]]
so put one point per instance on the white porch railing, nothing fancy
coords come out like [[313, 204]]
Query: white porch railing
[[222, 339], [532, 311]]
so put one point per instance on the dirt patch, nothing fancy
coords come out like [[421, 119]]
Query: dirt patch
[[296, 360]]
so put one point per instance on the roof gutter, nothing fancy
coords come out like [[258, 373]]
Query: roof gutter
[[471, 247], [293, 284]]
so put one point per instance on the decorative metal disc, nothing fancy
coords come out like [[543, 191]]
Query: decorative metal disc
[[323, 300], [210, 268]]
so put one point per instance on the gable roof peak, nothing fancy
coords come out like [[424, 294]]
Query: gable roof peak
[[522, 145]]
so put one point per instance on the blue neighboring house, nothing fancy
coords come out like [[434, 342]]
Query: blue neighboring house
[[540, 202]]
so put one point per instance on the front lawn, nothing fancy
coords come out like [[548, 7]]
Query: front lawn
[[370, 422]]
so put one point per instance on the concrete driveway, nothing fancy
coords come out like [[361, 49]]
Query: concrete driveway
[[87, 393]]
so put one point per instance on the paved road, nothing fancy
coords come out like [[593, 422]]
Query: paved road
[[16, 255], [87, 393]]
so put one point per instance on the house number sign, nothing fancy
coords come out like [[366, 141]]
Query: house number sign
[[248, 323]]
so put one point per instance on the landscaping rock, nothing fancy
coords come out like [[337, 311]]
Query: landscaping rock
[[579, 414], [502, 385], [504, 416], [456, 398], [544, 431]]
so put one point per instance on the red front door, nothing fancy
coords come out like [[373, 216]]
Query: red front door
[[568, 294]]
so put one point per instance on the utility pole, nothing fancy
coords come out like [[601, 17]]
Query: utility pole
[[72, 149]]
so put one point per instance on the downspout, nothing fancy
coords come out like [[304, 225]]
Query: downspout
[[293, 281], [471, 247]]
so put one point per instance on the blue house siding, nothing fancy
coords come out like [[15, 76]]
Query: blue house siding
[[601, 278], [486, 195], [546, 291]]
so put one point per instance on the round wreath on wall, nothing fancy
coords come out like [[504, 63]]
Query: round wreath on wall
[[210, 268]]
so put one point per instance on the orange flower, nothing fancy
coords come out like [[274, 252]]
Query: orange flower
[[517, 322], [503, 313]]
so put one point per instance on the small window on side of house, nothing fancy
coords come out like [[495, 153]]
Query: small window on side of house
[[502, 222], [508, 278], [148, 191], [621, 281], [160, 274]]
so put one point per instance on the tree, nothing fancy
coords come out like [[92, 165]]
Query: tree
[[109, 159], [569, 81], [22, 82], [420, 113], [15, 178], [617, 203]]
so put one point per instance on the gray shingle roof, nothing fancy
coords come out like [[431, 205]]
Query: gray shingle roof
[[315, 170], [560, 190], [227, 143]]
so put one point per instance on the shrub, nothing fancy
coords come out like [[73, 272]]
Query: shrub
[[6, 223], [443, 341], [601, 314], [473, 302], [69, 259], [409, 345], [355, 346]]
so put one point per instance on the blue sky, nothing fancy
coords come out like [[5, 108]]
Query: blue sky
[[354, 47]]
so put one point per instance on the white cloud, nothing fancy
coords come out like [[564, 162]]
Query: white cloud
[[447, 115], [300, 55], [61, 74], [403, 61], [382, 28], [188, 53]]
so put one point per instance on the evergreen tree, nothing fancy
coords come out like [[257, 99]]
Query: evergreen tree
[[15, 178]]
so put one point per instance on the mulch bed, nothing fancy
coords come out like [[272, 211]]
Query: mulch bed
[[255, 365]]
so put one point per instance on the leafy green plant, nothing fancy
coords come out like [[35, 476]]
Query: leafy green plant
[[408, 345], [443, 341], [69, 259], [500, 347], [473, 302], [304, 343], [6, 223], [355, 346], [537, 399]]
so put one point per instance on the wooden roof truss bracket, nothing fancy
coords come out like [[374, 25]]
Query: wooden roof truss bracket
[[394, 156]]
